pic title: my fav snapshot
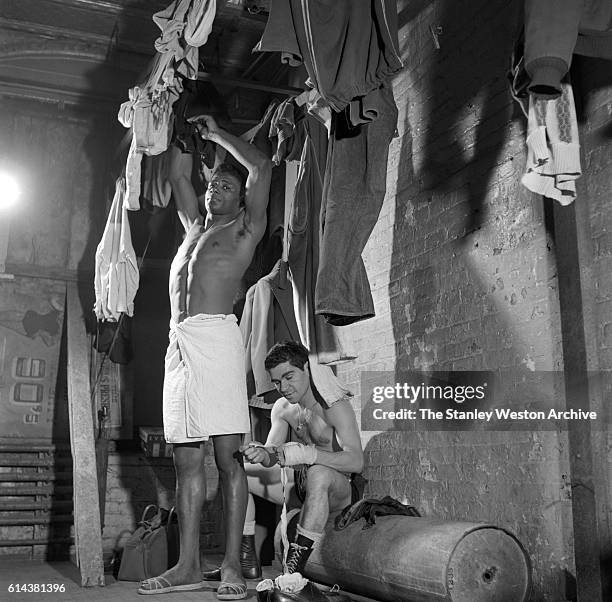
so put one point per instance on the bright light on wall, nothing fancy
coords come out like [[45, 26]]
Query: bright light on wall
[[9, 191]]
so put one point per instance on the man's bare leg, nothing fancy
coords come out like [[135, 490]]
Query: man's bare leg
[[234, 488], [190, 495], [327, 490], [266, 482]]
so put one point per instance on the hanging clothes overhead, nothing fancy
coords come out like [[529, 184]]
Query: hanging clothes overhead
[[303, 252], [285, 132], [353, 194], [116, 269], [185, 25], [348, 48], [268, 318], [155, 190], [539, 81], [554, 30], [553, 148]]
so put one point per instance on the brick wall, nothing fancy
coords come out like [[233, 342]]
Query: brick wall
[[134, 481], [595, 109], [463, 273]]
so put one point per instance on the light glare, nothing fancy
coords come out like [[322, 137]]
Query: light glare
[[9, 191]]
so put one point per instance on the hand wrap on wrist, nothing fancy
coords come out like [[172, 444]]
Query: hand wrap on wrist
[[294, 453]]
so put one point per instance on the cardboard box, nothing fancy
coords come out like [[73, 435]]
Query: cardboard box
[[153, 443]]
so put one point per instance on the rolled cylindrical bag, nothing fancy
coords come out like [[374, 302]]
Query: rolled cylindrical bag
[[409, 559]]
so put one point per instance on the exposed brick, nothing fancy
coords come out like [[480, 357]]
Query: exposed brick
[[465, 268]]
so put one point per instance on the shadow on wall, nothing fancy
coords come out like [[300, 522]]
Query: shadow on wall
[[468, 99], [589, 77], [443, 178]]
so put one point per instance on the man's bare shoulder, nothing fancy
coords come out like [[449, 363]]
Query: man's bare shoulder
[[281, 406], [341, 410], [189, 224]]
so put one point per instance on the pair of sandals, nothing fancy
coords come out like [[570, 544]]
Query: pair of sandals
[[160, 585]]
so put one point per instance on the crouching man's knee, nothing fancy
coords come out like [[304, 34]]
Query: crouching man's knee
[[319, 479]]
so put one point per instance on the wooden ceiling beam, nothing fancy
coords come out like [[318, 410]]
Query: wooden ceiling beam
[[247, 83]]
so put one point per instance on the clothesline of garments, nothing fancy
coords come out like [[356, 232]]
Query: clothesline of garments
[[358, 110], [336, 204], [185, 25]]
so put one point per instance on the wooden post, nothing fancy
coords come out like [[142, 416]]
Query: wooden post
[[87, 528], [587, 449]]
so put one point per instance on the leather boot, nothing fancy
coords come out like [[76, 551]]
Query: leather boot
[[249, 562]]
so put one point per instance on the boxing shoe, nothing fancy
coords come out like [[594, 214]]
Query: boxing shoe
[[249, 563], [297, 557]]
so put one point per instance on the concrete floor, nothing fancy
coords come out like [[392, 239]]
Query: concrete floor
[[66, 574]]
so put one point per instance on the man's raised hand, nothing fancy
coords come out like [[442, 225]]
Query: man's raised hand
[[207, 126]]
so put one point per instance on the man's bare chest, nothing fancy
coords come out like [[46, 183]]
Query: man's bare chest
[[218, 247], [310, 427]]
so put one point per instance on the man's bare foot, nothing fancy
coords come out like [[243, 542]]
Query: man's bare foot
[[232, 585], [175, 579]]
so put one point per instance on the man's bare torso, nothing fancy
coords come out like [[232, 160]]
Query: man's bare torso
[[309, 425], [208, 267]]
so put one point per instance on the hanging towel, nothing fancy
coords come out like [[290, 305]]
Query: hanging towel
[[204, 386], [116, 270], [553, 149]]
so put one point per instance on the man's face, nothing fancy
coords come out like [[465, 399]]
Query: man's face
[[222, 194], [291, 382]]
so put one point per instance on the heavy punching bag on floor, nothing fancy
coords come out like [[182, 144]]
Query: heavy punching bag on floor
[[409, 559]]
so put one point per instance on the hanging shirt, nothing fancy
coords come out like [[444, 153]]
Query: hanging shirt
[[116, 270]]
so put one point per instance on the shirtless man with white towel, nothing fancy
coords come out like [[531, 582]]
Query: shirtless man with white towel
[[205, 385]]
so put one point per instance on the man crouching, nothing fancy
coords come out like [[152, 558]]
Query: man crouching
[[325, 448]]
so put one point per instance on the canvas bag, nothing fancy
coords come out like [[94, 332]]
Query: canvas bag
[[145, 553]]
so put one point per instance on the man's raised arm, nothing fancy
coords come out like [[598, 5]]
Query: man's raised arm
[[179, 176], [256, 163]]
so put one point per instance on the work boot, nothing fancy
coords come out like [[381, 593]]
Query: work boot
[[297, 557], [251, 569], [249, 562]]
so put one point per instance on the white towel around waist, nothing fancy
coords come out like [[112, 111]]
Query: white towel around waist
[[205, 382]]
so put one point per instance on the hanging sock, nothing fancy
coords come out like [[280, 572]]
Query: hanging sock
[[553, 148]]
